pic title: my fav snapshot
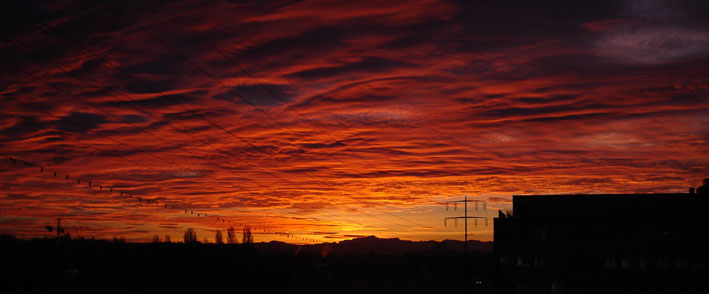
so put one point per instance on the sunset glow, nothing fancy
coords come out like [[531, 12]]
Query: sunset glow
[[329, 120]]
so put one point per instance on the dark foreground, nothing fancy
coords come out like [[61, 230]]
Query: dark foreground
[[88, 266]]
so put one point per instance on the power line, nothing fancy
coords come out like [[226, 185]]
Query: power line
[[138, 163], [229, 59], [163, 140], [92, 147], [304, 204], [15, 161], [74, 43], [274, 94], [92, 105], [465, 218], [206, 73], [88, 146]]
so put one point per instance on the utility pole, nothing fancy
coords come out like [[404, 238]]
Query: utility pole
[[59, 228], [465, 218]]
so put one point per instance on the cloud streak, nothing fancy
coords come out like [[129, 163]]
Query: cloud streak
[[347, 118]]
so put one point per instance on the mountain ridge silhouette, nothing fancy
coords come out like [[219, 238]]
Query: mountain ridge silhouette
[[376, 245]]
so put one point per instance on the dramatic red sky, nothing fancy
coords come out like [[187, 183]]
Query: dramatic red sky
[[334, 119]]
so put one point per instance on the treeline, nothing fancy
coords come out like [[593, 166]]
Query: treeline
[[190, 236], [88, 266]]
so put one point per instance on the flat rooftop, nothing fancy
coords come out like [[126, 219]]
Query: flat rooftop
[[667, 205]]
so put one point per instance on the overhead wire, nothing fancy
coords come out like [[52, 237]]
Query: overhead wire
[[69, 40], [127, 192], [259, 109], [163, 140], [90, 147], [251, 103], [264, 229], [228, 58]]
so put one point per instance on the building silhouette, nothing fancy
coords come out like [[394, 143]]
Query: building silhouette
[[610, 243]]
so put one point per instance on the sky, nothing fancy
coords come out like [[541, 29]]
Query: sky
[[328, 120]]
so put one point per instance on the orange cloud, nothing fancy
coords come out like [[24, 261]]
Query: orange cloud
[[346, 118]]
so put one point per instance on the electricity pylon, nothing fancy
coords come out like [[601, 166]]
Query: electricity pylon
[[59, 228], [465, 218]]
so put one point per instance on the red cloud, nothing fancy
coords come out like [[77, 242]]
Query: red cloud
[[336, 117]]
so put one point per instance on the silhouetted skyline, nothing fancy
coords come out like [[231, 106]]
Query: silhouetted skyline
[[332, 120]]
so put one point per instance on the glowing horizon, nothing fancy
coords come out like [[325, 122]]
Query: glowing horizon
[[333, 120]]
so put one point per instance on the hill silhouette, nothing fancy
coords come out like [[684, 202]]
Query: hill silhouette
[[376, 245], [373, 244]]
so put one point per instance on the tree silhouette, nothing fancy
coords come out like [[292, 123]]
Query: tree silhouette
[[218, 239], [190, 235], [156, 238], [247, 235], [167, 239], [231, 236]]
